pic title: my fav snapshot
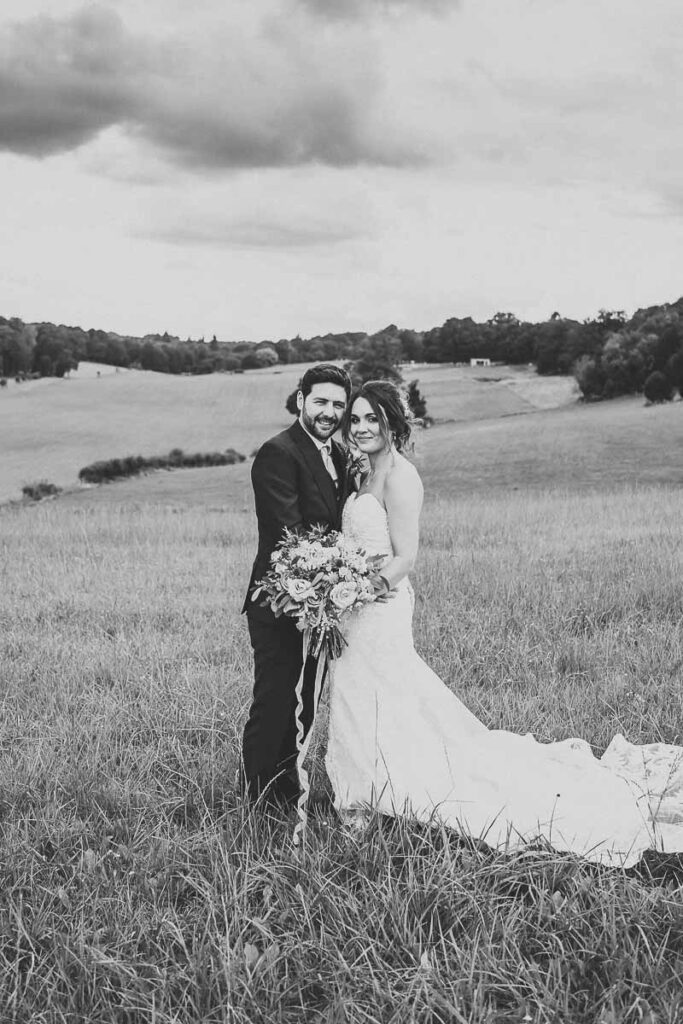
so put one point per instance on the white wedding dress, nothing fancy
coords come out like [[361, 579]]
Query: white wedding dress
[[400, 741]]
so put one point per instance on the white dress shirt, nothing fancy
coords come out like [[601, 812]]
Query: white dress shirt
[[325, 449]]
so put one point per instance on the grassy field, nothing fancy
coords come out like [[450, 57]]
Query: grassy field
[[51, 428], [135, 888], [618, 443]]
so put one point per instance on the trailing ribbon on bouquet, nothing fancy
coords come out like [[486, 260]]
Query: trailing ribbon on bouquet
[[317, 578], [303, 742]]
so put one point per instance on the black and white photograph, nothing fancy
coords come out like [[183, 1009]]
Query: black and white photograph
[[341, 512]]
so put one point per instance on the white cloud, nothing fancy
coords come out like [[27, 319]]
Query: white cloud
[[281, 209]]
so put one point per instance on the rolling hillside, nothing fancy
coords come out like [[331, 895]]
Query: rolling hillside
[[597, 447], [51, 428], [608, 444]]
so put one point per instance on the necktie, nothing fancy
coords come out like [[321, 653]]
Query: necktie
[[326, 452]]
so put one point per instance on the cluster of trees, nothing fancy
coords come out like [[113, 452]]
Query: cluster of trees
[[609, 354], [553, 345], [52, 350], [646, 355]]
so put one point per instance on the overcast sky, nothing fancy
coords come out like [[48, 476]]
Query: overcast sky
[[262, 168]]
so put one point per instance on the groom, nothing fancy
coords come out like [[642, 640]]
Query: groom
[[299, 479]]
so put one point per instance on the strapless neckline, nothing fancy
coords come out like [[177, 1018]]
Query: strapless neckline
[[369, 494], [367, 528]]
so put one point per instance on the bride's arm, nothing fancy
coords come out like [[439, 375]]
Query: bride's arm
[[403, 501]]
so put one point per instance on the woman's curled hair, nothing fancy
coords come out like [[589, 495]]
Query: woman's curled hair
[[391, 408]]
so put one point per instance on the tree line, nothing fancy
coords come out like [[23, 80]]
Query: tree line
[[610, 354]]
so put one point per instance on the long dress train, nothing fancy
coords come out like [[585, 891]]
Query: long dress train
[[401, 742]]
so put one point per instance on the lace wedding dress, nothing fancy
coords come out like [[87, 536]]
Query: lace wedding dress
[[400, 741]]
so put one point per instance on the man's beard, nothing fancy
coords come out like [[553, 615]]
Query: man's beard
[[323, 433]]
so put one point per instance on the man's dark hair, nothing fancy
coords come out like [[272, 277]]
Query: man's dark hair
[[325, 373]]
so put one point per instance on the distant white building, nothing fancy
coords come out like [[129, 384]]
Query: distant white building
[[480, 362]]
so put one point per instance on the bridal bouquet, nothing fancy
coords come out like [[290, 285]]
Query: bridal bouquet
[[318, 578]]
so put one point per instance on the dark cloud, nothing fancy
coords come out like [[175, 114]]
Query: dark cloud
[[221, 102], [62, 82], [342, 10]]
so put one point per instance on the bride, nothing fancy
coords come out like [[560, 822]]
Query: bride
[[401, 742]]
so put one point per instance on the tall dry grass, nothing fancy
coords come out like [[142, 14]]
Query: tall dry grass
[[135, 887]]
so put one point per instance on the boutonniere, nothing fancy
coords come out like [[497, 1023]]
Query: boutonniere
[[356, 462]]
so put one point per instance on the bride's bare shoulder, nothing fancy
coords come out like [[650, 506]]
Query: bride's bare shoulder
[[403, 479]]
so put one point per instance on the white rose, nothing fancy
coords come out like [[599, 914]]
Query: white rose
[[299, 589], [344, 595]]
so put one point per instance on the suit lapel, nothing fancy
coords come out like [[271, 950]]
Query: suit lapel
[[316, 465]]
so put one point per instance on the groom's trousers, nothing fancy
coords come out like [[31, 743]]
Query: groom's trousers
[[269, 742]]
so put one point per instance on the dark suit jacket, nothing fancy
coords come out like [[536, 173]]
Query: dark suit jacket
[[291, 488]]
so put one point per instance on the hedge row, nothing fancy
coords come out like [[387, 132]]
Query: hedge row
[[39, 490], [131, 465]]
